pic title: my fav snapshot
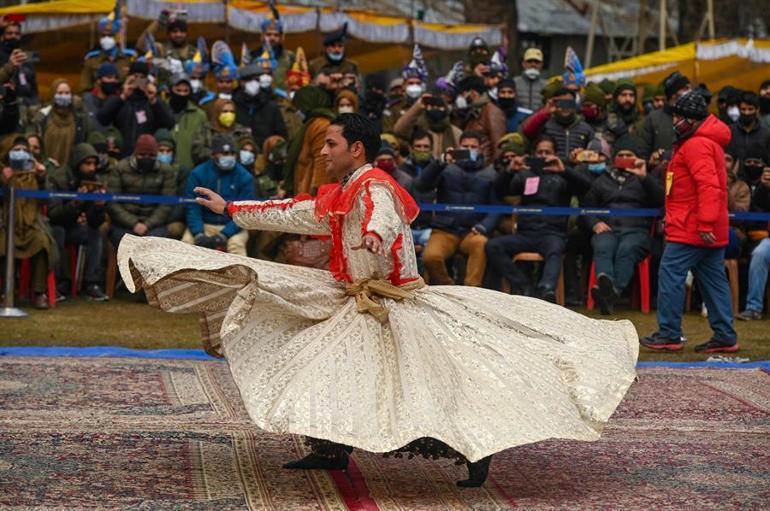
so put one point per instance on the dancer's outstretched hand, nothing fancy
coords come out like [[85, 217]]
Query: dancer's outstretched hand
[[210, 199]]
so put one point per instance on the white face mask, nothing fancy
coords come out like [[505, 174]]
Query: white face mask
[[251, 87], [414, 90], [62, 99], [733, 112], [223, 95], [196, 85], [347, 109], [265, 81], [246, 157], [461, 103], [532, 73], [107, 42]]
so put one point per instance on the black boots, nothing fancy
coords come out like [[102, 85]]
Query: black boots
[[477, 473]]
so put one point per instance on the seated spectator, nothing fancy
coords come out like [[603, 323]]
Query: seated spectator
[[738, 201], [32, 241], [475, 111], [273, 163], [77, 222], [107, 85], [140, 173], [752, 164], [541, 184], [137, 110], [265, 186], [748, 132], [167, 156], [462, 178], [222, 120], [760, 256], [62, 123], [620, 243], [223, 173]]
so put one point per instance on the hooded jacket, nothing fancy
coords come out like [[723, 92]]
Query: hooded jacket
[[696, 186], [67, 179]]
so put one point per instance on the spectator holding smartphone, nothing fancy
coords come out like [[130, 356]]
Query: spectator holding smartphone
[[22, 65], [429, 113]]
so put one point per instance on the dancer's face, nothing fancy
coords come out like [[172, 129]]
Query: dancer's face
[[341, 158]]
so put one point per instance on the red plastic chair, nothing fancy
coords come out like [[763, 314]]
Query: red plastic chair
[[25, 290], [642, 284]]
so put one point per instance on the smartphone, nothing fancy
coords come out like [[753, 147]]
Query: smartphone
[[461, 154], [588, 156], [92, 186], [536, 164], [433, 101], [140, 83], [623, 163]]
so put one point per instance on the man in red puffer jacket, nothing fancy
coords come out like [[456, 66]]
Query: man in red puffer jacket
[[696, 229]]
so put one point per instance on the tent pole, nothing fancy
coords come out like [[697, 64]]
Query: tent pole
[[710, 14], [662, 26], [591, 33]]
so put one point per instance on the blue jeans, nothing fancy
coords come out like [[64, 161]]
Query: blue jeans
[[707, 265], [421, 237], [760, 263]]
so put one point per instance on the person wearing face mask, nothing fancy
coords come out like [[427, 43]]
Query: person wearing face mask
[[141, 174], [167, 155], [197, 68], [108, 50], [177, 46], [431, 114], [657, 132], [334, 58], [415, 75], [374, 101], [231, 180], [273, 38], [189, 118], [33, 239], [475, 111], [465, 180], [221, 119], [727, 104], [593, 109], [78, 222], [255, 107], [305, 167], [696, 229], [560, 121], [748, 132], [265, 186], [346, 102], [508, 101], [24, 77], [529, 83], [620, 243], [63, 123], [107, 85]]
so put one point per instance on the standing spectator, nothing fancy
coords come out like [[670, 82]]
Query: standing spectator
[[541, 185], [738, 201], [374, 100], [9, 110], [764, 103], [696, 229], [222, 120], [508, 101], [177, 47], [63, 123], [108, 51], [476, 112], [140, 173], [430, 113], [415, 74], [559, 120], [25, 79], [620, 243], [728, 100], [748, 132], [623, 114], [465, 180], [346, 102], [77, 222], [657, 132], [221, 172], [189, 118], [593, 108], [529, 84], [760, 256], [255, 108], [107, 86], [334, 58], [137, 110], [273, 38], [305, 168], [654, 98]]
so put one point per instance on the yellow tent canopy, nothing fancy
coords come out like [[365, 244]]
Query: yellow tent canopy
[[743, 63]]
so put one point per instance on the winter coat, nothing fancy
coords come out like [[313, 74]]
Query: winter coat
[[489, 120], [657, 131], [126, 179], [529, 92], [455, 185], [232, 185], [66, 179], [310, 170], [135, 116], [696, 186], [260, 114], [633, 193], [752, 141], [188, 122]]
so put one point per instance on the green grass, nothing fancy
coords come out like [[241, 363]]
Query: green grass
[[125, 322]]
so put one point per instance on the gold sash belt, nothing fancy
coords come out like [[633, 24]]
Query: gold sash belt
[[367, 291]]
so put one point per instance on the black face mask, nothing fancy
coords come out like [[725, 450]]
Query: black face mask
[[145, 165], [764, 106], [177, 101], [746, 120], [109, 88], [138, 94], [508, 105], [435, 116], [753, 172], [11, 44], [565, 119], [374, 102]]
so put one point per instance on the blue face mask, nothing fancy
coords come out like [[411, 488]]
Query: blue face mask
[[166, 158], [247, 157], [226, 162], [336, 57], [474, 154], [597, 168], [18, 155]]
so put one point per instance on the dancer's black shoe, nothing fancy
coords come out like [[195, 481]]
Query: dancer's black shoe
[[316, 462], [477, 473]]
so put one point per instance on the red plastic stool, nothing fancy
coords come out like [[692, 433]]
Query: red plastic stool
[[643, 284], [25, 277]]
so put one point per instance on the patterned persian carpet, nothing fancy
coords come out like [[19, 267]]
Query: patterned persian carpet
[[114, 433]]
